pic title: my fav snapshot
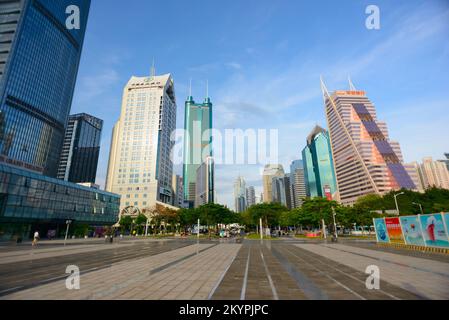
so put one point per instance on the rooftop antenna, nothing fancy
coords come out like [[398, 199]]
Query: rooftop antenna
[[351, 85], [153, 70], [207, 89], [190, 88]]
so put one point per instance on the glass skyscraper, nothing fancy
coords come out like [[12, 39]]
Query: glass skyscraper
[[81, 149], [38, 69], [197, 143], [319, 174]]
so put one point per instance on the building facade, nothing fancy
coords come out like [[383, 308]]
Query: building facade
[[140, 168], [197, 142], [240, 204], [32, 202], [319, 174], [270, 171], [81, 149], [365, 159], [250, 196], [178, 191], [433, 174], [297, 183], [281, 190], [446, 161], [204, 185], [38, 69]]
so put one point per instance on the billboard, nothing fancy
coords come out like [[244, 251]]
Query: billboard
[[434, 230], [381, 230], [412, 231], [394, 230]]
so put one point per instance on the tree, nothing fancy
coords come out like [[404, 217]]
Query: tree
[[125, 222], [270, 213]]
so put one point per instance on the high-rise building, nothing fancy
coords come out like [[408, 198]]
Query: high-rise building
[[250, 196], [433, 174], [197, 142], [204, 186], [270, 171], [365, 159], [38, 68], [240, 194], [177, 191], [297, 183], [81, 149], [446, 161], [140, 168], [281, 190], [319, 174]]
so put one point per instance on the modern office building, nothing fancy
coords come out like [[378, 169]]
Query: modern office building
[[140, 168], [81, 149], [433, 174], [204, 185], [270, 171], [197, 142], [178, 191], [250, 196], [319, 174], [38, 68], [31, 202], [240, 203], [281, 190], [297, 183], [365, 160]]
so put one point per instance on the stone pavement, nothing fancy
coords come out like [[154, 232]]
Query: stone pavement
[[425, 278]]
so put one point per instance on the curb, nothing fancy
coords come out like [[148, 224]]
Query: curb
[[414, 247]]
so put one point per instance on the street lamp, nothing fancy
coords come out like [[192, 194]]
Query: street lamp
[[396, 200], [67, 222], [420, 206], [335, 224]]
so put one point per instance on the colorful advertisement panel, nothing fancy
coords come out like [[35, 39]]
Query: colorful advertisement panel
[[381, 230], [434, 230], [446, 221], [411, 229], [394, 230]]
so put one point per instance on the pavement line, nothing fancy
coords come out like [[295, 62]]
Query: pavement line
[[221, 278], [245, 278], [273, 289]]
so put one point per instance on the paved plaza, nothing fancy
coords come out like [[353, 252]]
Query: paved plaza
[[219, 269]]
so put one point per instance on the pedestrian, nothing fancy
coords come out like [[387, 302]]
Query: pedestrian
[[35, 238]]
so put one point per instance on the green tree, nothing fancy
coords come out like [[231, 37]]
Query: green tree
[[125, 222], [270, 213]]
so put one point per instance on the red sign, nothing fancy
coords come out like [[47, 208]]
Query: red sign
[[394, 230]]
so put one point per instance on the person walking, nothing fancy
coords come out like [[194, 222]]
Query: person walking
[[35, 238]]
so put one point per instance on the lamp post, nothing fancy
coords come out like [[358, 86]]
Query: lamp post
[[335, 224], [67, 222], [420, 206], [396, 200]]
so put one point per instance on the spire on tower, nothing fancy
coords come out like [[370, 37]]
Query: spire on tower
[[152, 71], [207, 89], [351, 85]]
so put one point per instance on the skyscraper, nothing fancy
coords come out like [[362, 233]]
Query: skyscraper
[[81, 149], [250, 196], [197, 142], [446, 161], [297, 183], [270, 171], [178, 191], [433, 174], [38, 69], [240, 194], [281, 190], [365, 159], [140, 168], [204, 186], [319, 174]]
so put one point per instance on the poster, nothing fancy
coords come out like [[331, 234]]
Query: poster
[[446, 220], [394, 230], [434, 230], [381, 230], [411, 229]]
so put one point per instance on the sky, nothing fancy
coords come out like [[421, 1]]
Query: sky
[[263, 60]]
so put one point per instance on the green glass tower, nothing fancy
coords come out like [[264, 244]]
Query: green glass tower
[[319, 174], [197, 143]]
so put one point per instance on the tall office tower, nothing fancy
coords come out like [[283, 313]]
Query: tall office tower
[[319, 174], [281, 190], [204, 186], [433, 174], [270, 171], [297, 183], [446, 161], [140, 167], [240, 194], [365, 159], [38, 68], [177, 191], [250, 196], [81, 149], [197, 142]]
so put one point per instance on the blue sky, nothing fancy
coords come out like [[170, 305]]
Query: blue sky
[[263, 60]]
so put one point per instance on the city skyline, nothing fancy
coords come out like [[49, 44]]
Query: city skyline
[[247, 77]]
